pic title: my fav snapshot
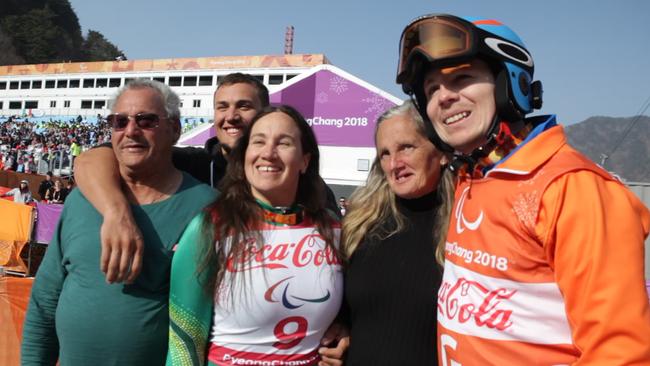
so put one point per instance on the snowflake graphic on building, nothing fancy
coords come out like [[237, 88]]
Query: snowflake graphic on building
[[338, 85], [322, 98], [377, 105]]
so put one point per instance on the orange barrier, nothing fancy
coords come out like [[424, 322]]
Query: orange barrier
[[14, 297], [15, 231]]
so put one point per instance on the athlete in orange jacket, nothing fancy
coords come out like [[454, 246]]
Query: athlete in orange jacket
[[544, 255]]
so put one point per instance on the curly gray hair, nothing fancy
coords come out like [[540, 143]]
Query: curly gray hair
[[170, 99]]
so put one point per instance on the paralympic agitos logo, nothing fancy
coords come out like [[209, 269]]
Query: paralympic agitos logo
[[286, 302], [461, 222]]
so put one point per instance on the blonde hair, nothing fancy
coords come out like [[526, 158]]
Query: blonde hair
[[372, 207]]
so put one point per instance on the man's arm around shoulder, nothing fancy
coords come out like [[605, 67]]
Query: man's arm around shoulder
[[97, 176]]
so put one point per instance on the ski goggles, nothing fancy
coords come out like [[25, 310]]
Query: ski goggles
[[146, 121], [446, 39]]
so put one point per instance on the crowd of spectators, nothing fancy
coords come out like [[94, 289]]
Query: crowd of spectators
[[31, 147], [54, 190], [39, 146]]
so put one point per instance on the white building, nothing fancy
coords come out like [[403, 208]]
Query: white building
[[341, 107], [84, 88]]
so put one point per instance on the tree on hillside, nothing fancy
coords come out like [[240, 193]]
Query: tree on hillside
[[17, 7], [8, 56], [44, 31], [34, 35], [97, 48], [66, 19]]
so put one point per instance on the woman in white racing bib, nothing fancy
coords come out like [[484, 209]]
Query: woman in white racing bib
[[256, 279]]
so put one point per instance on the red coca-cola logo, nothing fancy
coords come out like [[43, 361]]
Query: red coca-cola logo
[[307, 251], [460, 302]]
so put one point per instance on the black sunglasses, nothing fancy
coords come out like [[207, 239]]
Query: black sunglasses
[[119, 121]]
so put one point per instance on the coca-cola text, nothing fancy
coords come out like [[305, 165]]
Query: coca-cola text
[[307, 251], [469, 300]]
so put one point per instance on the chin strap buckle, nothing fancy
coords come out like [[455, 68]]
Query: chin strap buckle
[[504, 135]]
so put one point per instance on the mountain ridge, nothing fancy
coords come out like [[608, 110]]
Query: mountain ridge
[[625, 141], [48, 31]]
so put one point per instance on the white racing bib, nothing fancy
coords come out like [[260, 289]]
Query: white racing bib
[[293, 291]]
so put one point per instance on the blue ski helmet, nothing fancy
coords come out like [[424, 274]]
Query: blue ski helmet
[[441, 40]]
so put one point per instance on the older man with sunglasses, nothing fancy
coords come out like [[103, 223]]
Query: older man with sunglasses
[[74, 315], [237, 100]]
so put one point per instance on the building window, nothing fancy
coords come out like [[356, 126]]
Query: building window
[[24, 84], [74, 83], [101, 83], [60, 84], [13, 85], [127, 80], [99, 104], [36, 84], [259, 77], [205, 80], [196, 103], [86, 104], [52, 103], [89, 83], [291, 76], [15, 105], [275, 79], [66, 104], [160, 79], [175, 80], [190, 81], [31, 104], [2, 105], [50, 84], [3, 85], [181, 104], [114, 83], [220, 79]]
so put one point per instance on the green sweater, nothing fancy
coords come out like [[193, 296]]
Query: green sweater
[[74, 315]]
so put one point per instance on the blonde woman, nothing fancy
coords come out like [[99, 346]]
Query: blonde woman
[[393, 238]]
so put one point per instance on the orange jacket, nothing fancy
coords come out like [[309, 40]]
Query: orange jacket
[[544, 264]]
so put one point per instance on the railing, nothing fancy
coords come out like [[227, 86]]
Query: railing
[[59, 162]]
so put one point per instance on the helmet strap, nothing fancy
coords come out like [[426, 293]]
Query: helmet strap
[[470, 160], [504, 99], [500, 135]]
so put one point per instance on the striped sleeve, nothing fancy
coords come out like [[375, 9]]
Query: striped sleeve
[[190, 307]]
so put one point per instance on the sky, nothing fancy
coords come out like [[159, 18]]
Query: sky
[[593, 57]]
